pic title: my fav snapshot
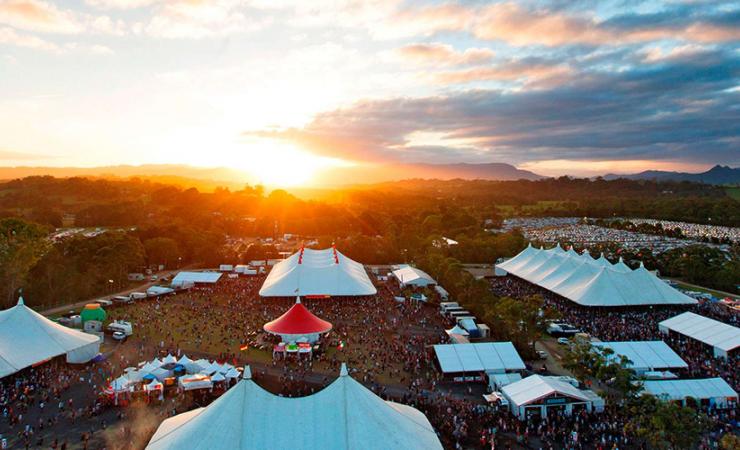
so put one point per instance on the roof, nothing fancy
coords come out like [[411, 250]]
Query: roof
[[27, 338], [680, 389], [195, 277], [592, 282], [478, 357], [536, 387], [317, 272], [646, 355], [297, 320], [712, 332], [412, 275], [343, 415]]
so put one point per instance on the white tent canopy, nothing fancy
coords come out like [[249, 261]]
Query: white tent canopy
[[343, 415], [714, 389], [317, 272], [411, 276], [592, 282], [190, 278], [489, 357], [27, 338], [723, 338], [645, 355]]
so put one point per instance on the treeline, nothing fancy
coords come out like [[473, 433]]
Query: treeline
[[160, 224]]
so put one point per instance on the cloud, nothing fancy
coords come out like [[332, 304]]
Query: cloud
[[683, 109], [37, 15], [121, 4], [197, 19], [443, 54], [520, 25], [11, 37], [533, 71]]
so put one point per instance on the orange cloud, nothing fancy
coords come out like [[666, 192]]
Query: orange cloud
[[36, 15], [444, 54], [511, 71]]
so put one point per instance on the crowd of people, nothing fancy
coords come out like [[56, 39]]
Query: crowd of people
[[385, 343]]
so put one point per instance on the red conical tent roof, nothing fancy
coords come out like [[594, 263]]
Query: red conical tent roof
[[297, 320]]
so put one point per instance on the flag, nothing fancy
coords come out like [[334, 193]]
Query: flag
[[244, 347]]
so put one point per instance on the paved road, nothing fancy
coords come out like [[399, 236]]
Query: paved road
[[140, 288]]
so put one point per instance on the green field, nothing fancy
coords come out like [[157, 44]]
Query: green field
[[733, 192]]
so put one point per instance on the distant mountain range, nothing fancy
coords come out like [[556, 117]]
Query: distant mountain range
[[716, 175], [209, 178], [337, 176], [396, 172]]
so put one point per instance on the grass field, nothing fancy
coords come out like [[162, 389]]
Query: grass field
[[733, 192]]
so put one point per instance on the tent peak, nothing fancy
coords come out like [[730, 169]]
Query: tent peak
[[343, 370], [297, 299], [20, 300], [247, 374]]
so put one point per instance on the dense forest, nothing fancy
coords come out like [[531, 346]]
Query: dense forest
[[149, 223]]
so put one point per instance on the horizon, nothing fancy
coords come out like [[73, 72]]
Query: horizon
[[288, 92]]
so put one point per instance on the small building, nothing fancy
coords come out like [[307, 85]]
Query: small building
[[538, 395], [226, 268], [411, 276], [715, 392]]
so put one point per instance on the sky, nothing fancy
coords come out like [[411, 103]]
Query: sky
[[285, 88]]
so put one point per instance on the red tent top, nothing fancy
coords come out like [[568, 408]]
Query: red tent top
[[297, 320]]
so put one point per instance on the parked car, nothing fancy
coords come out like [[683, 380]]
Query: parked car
[[119, 335], [563, 341], [542, 354]]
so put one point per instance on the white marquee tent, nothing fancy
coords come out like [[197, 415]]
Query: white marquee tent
[[534, 391], [646, 355], [343, 415], [411, 276], [489, 357], [591, 282], [317, 272], [28, 338], [722, 337], [184, 279], [715, 390]]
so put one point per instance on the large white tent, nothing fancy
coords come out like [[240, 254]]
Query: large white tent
[[645, 355], [722, 337], [344, 415], [28, 338], [489, 357], [317, 272], [591, 282]]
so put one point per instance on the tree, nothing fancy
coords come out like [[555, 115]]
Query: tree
[[162, 250], [729, 441], [665, 425], [519, 319], [21, 245]]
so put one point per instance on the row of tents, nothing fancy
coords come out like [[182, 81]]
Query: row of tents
[[591, 282]]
